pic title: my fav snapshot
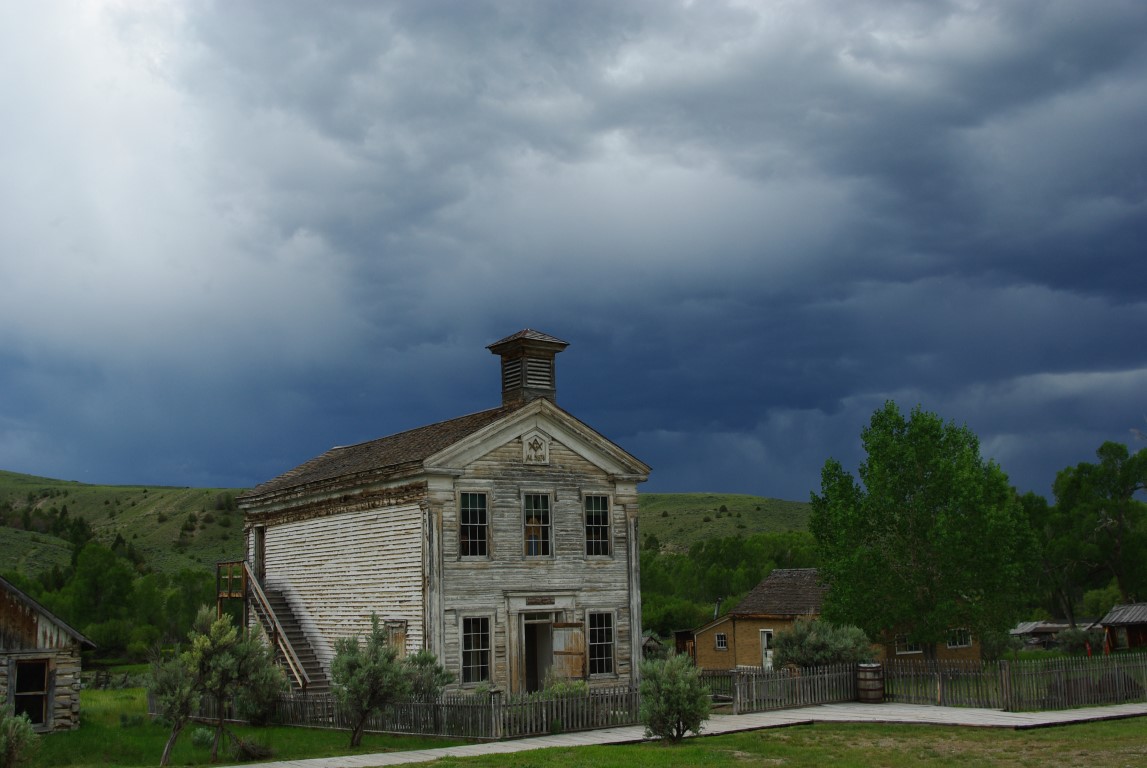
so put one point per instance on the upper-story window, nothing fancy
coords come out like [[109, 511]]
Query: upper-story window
[[537, 524], [597, 533], [473, 525]]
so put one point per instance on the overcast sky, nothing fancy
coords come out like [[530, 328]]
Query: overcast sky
[[236, 234]]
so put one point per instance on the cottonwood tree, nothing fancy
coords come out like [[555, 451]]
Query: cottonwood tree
[[931, 538], [1099, 501], [366, 677]]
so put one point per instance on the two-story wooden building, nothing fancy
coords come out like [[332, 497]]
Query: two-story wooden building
[[503, 541]]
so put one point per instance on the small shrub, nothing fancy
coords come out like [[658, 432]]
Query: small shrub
[[819, 643], [665, 513], [1076, 641], [203, 738], [161, 518], [708, 519], [723, 508], [18, 742], [674, 701]]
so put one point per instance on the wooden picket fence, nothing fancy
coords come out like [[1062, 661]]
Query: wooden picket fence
[[759, 690], [474, 716], [1019, 686]]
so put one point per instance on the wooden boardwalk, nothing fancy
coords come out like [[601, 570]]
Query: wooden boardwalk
[[826, 713]]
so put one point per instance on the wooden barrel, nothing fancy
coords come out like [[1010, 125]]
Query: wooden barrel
[[870, 683]]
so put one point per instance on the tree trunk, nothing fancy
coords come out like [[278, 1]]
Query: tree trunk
[[176, 729], [218, 737], [357, 731]]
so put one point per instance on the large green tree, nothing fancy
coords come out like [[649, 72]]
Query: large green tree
[[1099, 500], [931, 538]]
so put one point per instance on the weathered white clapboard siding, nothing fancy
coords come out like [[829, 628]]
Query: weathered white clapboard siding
[[337, 570], [579, 584]]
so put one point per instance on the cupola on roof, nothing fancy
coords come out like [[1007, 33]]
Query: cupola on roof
[[528, 366]]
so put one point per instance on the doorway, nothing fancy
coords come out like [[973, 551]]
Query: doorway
[[538, 641], [767, 649]]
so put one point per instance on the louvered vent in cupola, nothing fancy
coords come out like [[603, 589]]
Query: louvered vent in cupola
[[528, 365]]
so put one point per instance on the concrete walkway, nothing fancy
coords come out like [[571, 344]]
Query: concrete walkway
[[827, 713]]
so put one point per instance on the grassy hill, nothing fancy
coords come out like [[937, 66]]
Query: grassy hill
[[178, 528], [678, 520], [172, 528]]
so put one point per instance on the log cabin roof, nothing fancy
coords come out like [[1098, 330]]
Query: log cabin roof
[[1124, 615], [385, 453], [784, 592], [11, 624]]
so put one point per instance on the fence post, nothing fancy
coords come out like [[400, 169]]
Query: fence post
[[736, 692], [1005, 685], [495, 714]]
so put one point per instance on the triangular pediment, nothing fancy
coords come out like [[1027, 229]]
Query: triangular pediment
[[538, 425]]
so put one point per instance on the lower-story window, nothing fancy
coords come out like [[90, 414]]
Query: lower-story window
[[476, 650], [722, 641], [600, 643], [959, 638], [31, 694]]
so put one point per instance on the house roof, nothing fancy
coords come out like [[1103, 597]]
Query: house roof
[[1134, 613], [385, 453], [34, 605], [528, 334], [784, 592]]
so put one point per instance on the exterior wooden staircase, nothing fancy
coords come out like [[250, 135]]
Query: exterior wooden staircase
[[297, 639], [234, 580]]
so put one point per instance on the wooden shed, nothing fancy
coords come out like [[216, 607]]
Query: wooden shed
[[504, 541], [39, 662], [1126, 627]]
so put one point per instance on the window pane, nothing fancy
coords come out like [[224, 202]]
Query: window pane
[[597, 525], [475, 650], [472, 529], [536, 510], [600, 643]]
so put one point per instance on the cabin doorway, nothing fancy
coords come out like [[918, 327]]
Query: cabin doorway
[[538, 643], [767, 649], [259, 534]]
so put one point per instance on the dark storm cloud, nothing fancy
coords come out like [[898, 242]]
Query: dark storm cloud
[[237, 234]]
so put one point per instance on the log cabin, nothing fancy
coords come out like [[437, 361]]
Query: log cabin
[[503, 541], [39, 662]]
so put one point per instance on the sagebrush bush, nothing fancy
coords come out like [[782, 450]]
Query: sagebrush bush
[[18, 742], [819, 643], [674, 701]]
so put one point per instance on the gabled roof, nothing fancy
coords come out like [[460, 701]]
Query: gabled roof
[[386, 453], [31, 603], [1121, 615], [784, 592]]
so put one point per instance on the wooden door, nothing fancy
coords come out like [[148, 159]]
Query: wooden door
[[569, 650]]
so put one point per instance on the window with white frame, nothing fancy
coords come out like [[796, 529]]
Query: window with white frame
[[600, 643], [476, 649], [959, 638], [537, 524], [473, 525], [597, 532], [906, 645], [721, 641]]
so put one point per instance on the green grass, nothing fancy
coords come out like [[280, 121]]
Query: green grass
[[678, 519], [115, 731], [1116, 743]]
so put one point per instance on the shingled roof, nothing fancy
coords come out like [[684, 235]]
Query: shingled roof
[[386, 454], [785, 592]]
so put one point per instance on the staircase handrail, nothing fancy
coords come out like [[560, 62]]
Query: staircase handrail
[[279, 637]]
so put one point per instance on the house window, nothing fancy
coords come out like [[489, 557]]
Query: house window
[[904, 645], [722, 641], [476, 650], [536, 515], [31, 694], [959, 638], [597, 525], [473, 525], [600, 643]]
